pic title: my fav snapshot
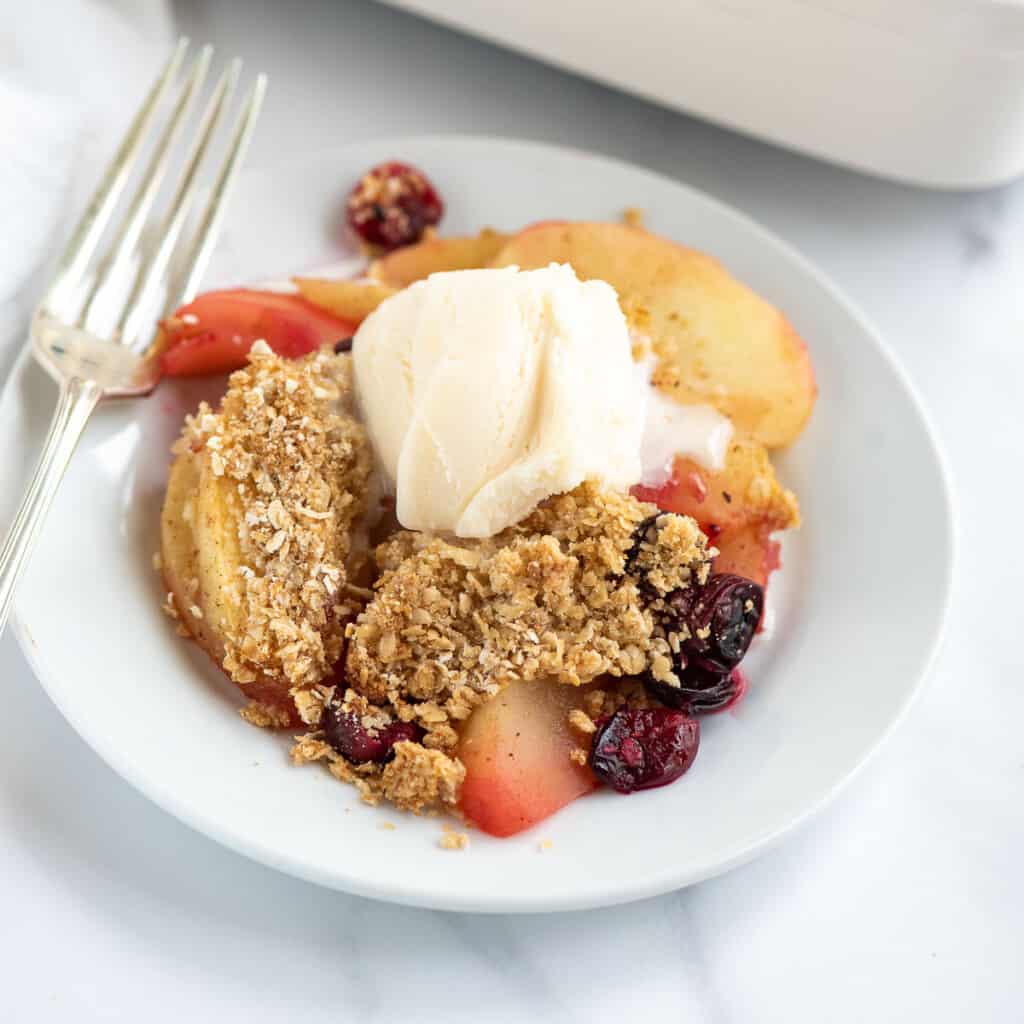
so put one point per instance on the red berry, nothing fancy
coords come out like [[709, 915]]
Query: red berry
[[720, 620], [641, 749], [701, 692], [344, 731], [722, 616], [392, 205]]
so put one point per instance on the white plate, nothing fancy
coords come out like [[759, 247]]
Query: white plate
[[859, 608]]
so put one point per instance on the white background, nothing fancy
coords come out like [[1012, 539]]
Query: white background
[[903, 901]]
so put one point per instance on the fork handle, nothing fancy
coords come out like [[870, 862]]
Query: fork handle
[[77, 400]]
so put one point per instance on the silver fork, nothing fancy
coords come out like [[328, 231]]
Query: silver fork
[[95, 323]]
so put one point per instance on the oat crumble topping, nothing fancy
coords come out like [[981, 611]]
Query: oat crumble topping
[[417, 779], [568, 594], [582, 722], [292, 467]]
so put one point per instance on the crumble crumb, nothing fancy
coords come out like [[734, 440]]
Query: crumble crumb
[[582, 722], [452, 840], [417, 779], [633, 217], [578, 756], [387, 826], [545, 845], [602, 702], [264, 716], [310, 703]]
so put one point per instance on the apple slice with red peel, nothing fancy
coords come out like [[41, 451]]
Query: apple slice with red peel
[[748, 551], [213, 334], [516, 751], [200, 559], [738, 507]]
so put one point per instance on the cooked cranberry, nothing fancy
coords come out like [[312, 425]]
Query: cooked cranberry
[[702, 692], [721, 617], [720, 620], [740, 685], [642, 749], [392, 205], [344, 731]]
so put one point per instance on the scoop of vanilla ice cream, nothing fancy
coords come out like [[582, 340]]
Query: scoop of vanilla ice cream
[[486, 391]]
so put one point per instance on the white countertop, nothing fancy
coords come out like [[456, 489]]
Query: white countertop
[[900, 902]]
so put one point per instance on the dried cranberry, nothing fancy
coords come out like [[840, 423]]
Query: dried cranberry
[[721, 618], [344, 731], [392, 205], [345, 345], [642, 749], [702, 692]]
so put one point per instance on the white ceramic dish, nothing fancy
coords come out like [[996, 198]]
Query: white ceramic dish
[[859, 608], [942, 106]]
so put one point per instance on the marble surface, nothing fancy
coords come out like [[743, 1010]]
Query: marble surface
[[899, 902]]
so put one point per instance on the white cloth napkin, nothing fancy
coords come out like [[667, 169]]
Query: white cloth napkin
[[70, 77]]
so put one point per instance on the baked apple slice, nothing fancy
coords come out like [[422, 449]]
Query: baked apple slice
[[748, 551], [214, 333], [201, 559], [350, 300], [516, 749], [717, 341], [179, 554], [739, 507], [256, 527], [434, 255], [354, 300]]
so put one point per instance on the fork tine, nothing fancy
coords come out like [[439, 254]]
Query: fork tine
[[86, 236], [152, 269], [198, 253], [128, 235]]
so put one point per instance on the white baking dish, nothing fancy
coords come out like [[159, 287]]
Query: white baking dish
[[926, 91]]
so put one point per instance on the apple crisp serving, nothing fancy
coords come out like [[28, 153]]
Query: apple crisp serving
[[594, 517]]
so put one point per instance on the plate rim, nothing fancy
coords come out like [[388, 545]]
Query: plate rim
[[651, 884]]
